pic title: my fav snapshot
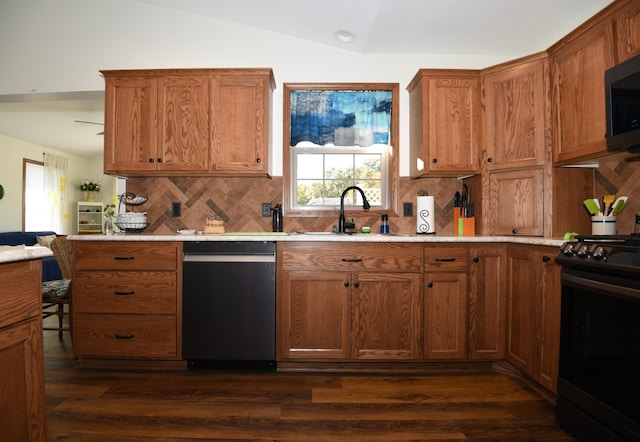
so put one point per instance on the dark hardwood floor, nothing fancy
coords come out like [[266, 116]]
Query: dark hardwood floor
[[103, 405]]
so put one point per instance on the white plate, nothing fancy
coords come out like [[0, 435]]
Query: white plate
[[186, 232]]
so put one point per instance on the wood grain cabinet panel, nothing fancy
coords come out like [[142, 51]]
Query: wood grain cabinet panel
[[487, 302], [445, 107], [127, 302], [342, 302], [445, 303], [515, 202], [22, 393], [533, 313], [628, 30], [577, 93], [202, 122], [514, 98]]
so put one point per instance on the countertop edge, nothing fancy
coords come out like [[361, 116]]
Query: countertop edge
[[24, 253], [304, 237]]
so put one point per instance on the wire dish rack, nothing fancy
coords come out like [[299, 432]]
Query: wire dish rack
[[132, 227], [131, 199]]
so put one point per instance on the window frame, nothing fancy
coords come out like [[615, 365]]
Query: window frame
[[392, 158]]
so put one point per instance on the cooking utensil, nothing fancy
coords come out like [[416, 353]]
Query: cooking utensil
[[619, 204], [592, 206], [607, 200]]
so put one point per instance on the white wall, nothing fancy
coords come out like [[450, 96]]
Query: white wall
[[60, 45], [14, 151]]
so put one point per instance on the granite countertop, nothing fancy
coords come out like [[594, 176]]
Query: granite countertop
[[23, 253], [320, 236]]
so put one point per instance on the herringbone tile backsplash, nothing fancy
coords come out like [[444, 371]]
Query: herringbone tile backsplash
[[237, 201], [621, 178]]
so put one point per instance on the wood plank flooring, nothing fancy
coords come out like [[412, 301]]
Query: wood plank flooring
[[196, 405]]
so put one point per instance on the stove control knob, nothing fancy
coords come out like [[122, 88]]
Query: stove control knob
[[583, 251], [599, 253], [567, 250]]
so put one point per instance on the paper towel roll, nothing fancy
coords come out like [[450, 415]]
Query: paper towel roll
[[425, 219]]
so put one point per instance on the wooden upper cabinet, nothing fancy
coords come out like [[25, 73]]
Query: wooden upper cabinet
[[628, 30], [188, 122], [514, 113], [577, 65], [444, 118], [130, 114], [515, 202], [241, 120]]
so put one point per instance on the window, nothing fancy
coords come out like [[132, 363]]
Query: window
[[35, 214], [335, 136]]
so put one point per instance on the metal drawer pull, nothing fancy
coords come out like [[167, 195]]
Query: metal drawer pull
[[352, 260], [444, 259], [125, 336], [124, 258], [124, 293]]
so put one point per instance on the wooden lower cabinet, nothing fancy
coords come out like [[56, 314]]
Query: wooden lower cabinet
[[487, 302], [533, 313], [345, 302], [127, 303], [22, 394], [445, 303]]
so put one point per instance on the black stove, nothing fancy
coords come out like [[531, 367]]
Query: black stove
[[615, 254]]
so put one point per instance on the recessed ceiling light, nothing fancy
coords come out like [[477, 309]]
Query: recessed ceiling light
[[345, 36]]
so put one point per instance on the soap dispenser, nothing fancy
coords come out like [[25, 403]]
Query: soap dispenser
[[384, 225], [276, 221]]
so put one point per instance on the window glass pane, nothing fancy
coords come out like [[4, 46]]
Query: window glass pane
[[368, 166], [36, 215], [310, 166], [339, 166]]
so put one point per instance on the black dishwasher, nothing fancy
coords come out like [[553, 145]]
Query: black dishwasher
[[229, 303]]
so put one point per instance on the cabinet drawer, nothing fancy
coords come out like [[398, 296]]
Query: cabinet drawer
[[445, 258], [126, 255], [125, 292], [122, 336], [393, 257], [21, 291]]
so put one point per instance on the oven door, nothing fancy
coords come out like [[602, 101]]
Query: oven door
[[599, 376]]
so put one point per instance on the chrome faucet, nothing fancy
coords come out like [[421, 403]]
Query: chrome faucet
[[342, 224]]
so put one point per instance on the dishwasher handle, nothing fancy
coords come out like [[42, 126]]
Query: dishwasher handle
[[211, 257]]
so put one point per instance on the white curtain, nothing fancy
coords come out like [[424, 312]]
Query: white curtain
[[56, 169]]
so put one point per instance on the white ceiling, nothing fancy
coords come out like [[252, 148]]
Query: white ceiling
[[466, 27]]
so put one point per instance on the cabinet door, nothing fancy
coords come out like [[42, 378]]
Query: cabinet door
[[547, 330], [385, 310], [577, 95], [628, 31], [487, 297], [184, 113], [453, 124], [131, 136], [515, 202], [521, 308], [313, 316], [240, 106], [22, 396], [445, 312], [514, 99]]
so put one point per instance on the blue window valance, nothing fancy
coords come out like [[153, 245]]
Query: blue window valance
[[341, 118]]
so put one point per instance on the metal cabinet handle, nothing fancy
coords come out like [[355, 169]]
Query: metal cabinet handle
[[546, 258], [430, 284], [514, 231], [356, 284], [475, 259], [151, 160], [258, 160], [444, 259], [351, 259], [119, 336], [124, 293], [124, 258], [346, 283], [159, 160]]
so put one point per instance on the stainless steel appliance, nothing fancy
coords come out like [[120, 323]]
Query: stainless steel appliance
[[599, 376], [229, 298]]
